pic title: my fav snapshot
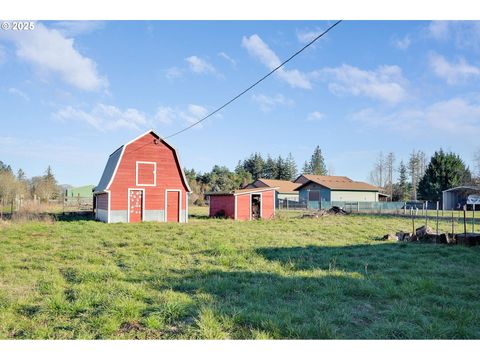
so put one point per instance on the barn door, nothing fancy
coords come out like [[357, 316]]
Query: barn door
[[135, 205], [173, 206]]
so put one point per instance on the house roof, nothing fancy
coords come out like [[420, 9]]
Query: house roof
[[284, 186], [338, 183], [241, 191], [115, 158]]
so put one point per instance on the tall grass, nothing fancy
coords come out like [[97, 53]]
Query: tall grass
[[288, 278]]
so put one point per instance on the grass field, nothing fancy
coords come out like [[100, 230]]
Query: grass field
[[288, 278]]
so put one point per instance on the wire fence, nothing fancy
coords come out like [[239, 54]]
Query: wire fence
[[62, 204], [416, 208]]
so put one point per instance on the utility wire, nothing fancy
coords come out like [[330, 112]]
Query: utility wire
[[254, 84]]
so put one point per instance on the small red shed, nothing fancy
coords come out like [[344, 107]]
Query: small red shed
[[244, 204], [142, 181]]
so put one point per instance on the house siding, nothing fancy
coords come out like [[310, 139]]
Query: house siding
[[354, 195]]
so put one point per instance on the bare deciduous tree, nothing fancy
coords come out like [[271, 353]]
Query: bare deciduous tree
[[377, 175]]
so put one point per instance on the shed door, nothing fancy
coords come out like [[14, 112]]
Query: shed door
[[135, 206], [173, 206]]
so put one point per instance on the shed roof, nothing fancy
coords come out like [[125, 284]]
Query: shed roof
[[241, 191], [338, 183], [284, 186], [116, 157]]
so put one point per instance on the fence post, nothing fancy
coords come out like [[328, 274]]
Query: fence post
[[473, 218], [426, 213], [287, 204], [453, 227], [437, 220]]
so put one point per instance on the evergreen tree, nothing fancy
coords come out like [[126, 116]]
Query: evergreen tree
[[317, 163], [255, 165], [306, 168], [403, 186], [291, 167], [445, 170], [282, 169], [271, 168]]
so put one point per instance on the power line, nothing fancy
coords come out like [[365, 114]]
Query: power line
[[254, 84]]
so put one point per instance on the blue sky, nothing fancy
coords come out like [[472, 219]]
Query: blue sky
[[72, 92]]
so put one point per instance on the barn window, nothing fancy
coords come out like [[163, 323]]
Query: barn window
[[146, 173]]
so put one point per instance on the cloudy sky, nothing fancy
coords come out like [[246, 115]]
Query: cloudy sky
[[72, 92]]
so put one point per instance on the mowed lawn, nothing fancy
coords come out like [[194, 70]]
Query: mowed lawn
[[212, 279]]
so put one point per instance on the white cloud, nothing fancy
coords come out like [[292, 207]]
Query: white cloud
[[258, 49], [457, 116], [452, 73], [403, 43], [199, 65], [305, 36], [165, 115], [104, 117], [267, 103], [439, 30], [173, 73], [386, 83], [465, 34], [77, 27], [50, 51], [17, 92], [315, 116], [193, 113], [3, 54], [228, 58]]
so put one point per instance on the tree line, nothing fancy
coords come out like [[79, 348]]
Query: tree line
[[420, 178], [16, 186], [256, 166]]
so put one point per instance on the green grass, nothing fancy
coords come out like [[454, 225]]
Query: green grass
[[288, 278]]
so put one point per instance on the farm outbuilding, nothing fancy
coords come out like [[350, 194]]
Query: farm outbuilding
[[243, 204], [458, 196], [315, 189], [285, 189], [142, 181]]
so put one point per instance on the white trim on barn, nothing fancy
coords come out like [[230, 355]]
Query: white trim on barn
[[184, 178], [143, 203], [179, 204], [154, 163]]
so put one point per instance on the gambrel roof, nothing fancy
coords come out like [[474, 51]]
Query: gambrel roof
[[116, 157]]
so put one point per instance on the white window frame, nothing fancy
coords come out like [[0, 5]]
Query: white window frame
[[143, 203], [154, 173], [165, 219]]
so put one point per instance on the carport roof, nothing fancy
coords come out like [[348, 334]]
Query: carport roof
[[464, 187]]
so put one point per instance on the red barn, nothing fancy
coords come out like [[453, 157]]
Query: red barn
[[142, 181], [244, 204]]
